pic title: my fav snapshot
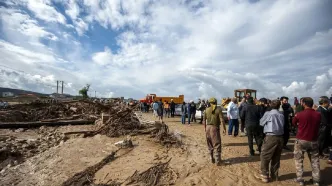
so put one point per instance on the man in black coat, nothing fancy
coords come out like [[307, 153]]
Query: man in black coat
[[287, 111], [172, 106], [252, 114], [326, 124]]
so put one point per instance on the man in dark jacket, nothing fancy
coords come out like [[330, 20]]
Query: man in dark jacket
[[287, 110], [202, 107], [242, 105], [183, 113], [172, 106], [325, 126], [299, 107], [252, 114], [192, 107]]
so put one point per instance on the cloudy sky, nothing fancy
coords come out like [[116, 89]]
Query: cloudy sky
[[199, 48]]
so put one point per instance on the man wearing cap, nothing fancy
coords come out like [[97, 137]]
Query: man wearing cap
[[213, 117]]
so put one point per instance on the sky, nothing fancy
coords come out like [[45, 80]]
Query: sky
[[199, 48]]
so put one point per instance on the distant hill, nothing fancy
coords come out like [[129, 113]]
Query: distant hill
[[19, 91]]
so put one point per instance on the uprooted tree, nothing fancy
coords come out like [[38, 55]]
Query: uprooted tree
[[84, 91]]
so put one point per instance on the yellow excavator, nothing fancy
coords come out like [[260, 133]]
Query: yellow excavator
[[239, 94]]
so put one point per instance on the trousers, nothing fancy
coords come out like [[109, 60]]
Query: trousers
[[324, 138], [253, 131], [271, 153], [213, 140], [242, 125], [300, 147], [233, 123]]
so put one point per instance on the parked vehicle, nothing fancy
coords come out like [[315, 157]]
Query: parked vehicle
[[199, 114]]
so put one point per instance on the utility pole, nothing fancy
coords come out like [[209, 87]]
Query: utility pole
[[61, 87], [95, 94], [57, 86]]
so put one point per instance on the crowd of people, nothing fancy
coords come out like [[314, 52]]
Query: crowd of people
[[269, 123]]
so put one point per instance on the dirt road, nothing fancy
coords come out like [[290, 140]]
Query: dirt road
[[240, 170], [188, 165]]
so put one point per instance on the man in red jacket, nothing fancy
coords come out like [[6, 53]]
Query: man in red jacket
[[308, 122]]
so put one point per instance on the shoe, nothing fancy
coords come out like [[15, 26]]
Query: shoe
[[300, 182], [264, 178], [274, 177]]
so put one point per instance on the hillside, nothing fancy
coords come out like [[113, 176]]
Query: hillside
[[19, 91]]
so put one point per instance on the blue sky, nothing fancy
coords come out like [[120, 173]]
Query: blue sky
[[196, 48]]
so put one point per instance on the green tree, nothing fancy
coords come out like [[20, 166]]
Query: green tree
[[84, 91]]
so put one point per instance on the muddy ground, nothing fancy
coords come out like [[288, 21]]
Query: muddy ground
[[188, 165]]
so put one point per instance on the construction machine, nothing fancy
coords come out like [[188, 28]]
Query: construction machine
[[239, 94], [150, 98]]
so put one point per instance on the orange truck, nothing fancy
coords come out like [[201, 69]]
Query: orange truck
[[150, 98]]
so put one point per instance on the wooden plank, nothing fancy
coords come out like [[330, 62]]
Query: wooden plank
[[15, 125]]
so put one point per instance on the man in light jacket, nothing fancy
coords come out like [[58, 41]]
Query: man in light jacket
[[233, 117], [273, 123]]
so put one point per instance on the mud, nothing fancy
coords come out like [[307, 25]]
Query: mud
[[91, 161]]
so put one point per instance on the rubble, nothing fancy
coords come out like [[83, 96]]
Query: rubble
[[159, 174], [14, 151]]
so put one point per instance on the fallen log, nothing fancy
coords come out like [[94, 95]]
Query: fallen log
[[36, 124]]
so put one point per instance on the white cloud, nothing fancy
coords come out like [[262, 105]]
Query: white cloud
[[17, 21], [103, 58], [73, 9], [195, 48], [44, 10]]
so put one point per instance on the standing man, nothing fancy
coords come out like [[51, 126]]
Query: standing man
[[233, 117], [202, 107], [189, 111], [155, 106], [167, 109], [183, 113], [296, 101], [251, 113], [172, 108], [325, 126], [242, 105], [160, 110], [287, 110], [308, 122], [193, 111], [299, 107], [273, 123], [212, 120]]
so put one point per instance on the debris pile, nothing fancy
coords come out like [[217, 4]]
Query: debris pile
[[159, 174], [85, 178], [46, 111], [13, 151], [121, 122]]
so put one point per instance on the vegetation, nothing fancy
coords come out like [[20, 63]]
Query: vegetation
[[84, 91]]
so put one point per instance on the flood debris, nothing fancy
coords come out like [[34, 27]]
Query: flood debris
[[159, 174], [14, 151], [85, 178]]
